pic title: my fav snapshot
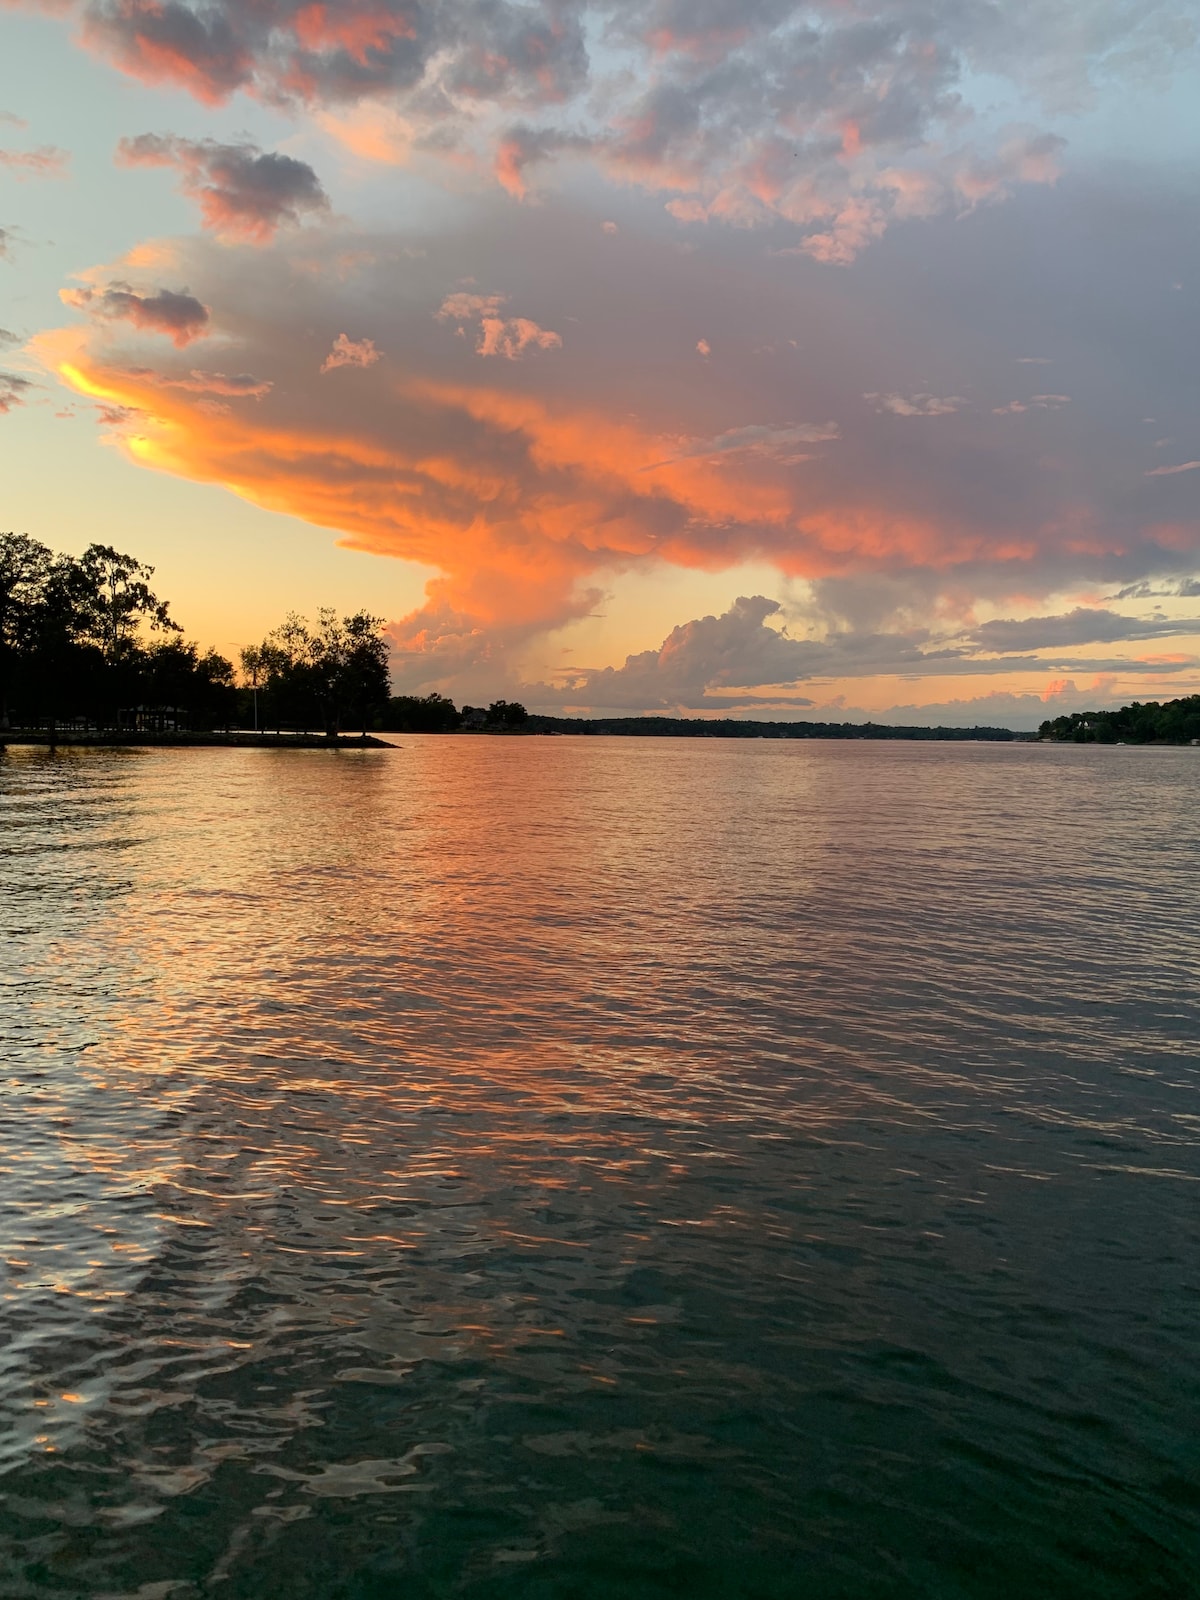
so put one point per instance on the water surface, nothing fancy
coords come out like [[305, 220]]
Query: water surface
[[587, 1168]]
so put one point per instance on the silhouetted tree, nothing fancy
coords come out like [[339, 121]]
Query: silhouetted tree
[[25, 567], [506, 714], [410, 713], [1175, 722], [334, 671]]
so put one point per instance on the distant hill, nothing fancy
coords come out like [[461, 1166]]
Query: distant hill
[[1171, 722]]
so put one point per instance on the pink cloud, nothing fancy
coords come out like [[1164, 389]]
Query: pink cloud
[[348, 352], [498, 335], [46, 162]]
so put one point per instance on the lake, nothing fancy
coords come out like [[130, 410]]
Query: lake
[[582, 1168]]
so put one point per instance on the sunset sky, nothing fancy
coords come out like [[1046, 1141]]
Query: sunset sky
[[702, 356]]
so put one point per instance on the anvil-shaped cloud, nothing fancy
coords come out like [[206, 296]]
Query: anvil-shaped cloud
[[528, 483]]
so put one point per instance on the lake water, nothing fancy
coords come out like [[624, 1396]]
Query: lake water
[[587, 1168]]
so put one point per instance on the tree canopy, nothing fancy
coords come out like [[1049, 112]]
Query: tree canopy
[[86, 638], [330, 673], [1169, 722]]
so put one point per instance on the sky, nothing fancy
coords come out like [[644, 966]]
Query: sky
[[700, 357]]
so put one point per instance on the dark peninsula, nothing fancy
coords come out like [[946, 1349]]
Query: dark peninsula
[[1169, 722], [89, 654]]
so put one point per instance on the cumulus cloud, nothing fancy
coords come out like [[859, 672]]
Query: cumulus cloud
[[833, 120], [732, 651], [347, 352], [178, 314], [498, 335], [738, 661], [243, 192], [917, 405], [45, 162], [13, 391]]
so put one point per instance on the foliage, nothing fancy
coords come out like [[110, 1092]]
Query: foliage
[[324, 675], [737, 728], [506, 714], [410, 713], [74, 646], [1172, 722]]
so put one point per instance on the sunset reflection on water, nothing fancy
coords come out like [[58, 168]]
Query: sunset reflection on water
[[598, 1167]]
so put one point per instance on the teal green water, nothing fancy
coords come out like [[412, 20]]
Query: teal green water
[[573, 1169]]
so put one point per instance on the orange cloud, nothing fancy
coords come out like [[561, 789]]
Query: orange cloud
[[517, 500]]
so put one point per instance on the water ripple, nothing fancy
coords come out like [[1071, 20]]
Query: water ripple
[[599, 1167]]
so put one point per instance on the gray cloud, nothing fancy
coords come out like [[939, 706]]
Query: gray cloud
[[176, 313], [735, 650], [243, 192], [242, 386], [1186, 588], [13, 391], [700, 661], [1084, 625], [836, 120]]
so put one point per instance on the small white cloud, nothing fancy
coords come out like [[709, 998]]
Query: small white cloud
[[771, 441], [703, 348], [1037, 402], [1169, 472], [917, 405]]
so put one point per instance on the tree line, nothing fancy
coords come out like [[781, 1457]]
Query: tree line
[[434, 713], [84, 639], [1152, 722]]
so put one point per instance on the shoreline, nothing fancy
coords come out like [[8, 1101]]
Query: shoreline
[[224, 741]]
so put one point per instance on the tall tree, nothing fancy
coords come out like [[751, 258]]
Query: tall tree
[[330, 672], [114, 601], [361, 680], [25, 567]]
